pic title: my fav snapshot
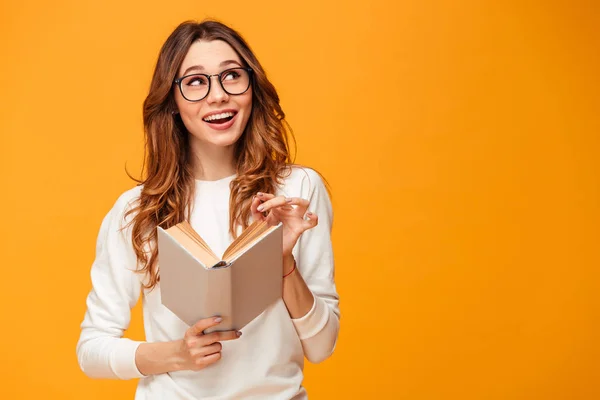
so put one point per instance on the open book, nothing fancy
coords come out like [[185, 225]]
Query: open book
[[195, 283]]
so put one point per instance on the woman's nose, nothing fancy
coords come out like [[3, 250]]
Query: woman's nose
[[216, 93]]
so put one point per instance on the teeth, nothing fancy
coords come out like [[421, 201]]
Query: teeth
[[218, 116]]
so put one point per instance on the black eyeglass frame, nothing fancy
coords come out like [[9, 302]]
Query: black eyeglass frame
[[208, 78]]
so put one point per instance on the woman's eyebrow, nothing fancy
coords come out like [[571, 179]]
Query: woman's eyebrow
[[201, 68]]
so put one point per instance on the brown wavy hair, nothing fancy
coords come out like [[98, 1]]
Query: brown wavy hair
[[262, 153]]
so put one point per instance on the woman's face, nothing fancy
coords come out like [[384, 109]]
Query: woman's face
[[232, 111]]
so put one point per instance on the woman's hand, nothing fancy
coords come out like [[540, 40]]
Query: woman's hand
[[198, 350], [290, 211]]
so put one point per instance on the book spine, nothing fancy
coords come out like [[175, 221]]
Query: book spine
[[220, 296]]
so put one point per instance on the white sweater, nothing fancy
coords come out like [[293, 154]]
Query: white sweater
[[268, 359]]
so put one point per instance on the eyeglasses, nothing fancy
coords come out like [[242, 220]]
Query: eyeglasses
[[195, 87]]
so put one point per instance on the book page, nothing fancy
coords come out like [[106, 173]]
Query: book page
[[243, 237], [257, 233], [189, 238], [193, 242]]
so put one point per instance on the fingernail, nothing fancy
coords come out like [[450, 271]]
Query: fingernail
[[218, 319], [309, 213], [288, 200], [260, 208], [259, 194], [238, 333]]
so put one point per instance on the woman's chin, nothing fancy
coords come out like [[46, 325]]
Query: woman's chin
[[222, 140]]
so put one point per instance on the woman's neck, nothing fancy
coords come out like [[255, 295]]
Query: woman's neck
[[211, 163]]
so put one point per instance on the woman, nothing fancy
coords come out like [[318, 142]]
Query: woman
[[217, 156]]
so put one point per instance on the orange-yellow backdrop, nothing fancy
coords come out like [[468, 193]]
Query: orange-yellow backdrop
[[461, 142]]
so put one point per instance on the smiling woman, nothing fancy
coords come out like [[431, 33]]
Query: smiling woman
[[194, 87], [217, 156]]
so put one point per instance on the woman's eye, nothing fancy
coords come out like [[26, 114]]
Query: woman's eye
[[196, 81], [231, 75]]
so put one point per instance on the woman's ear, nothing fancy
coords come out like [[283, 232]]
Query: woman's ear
[[172, 104]]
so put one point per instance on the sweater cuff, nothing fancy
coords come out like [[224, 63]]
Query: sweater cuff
[[122, 359], [314, 321]]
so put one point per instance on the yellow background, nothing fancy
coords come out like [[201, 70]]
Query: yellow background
[[461, 141]]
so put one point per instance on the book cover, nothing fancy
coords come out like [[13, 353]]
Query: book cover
[[238, 289]]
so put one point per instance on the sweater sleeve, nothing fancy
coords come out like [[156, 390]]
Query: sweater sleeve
[[318, 329], [102, 351]]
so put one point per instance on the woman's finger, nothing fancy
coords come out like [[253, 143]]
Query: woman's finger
[[297, 201], [211, 349], [256, 215], [199, 327], [265, 196], [298, 204], [272, 203], [311, 222], [282, 209], [257, 200], [301, 203], [220, 336], [203, 362]]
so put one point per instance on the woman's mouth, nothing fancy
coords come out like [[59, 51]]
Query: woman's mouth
[[221, 121], [218, 120]]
